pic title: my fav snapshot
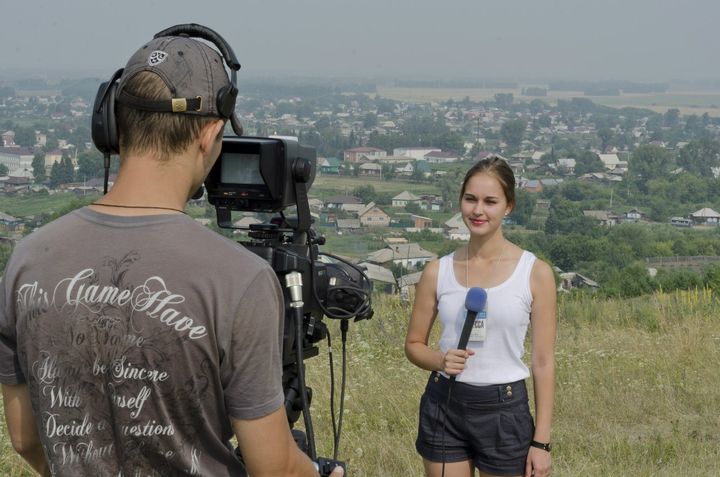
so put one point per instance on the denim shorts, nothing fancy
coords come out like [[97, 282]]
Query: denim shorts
[[488, 425]]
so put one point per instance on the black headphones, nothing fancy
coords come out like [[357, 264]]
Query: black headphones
[[104, 125]]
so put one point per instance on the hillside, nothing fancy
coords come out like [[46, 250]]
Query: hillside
[[636, 390]]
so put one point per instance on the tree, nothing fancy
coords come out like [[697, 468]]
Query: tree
[[55, 174], [524, 206], [512, 132], [3, 170], [649, 162], [90, 165], [504, 100], [370, 120], [366, 193], [605, 135], [412, 208], [672, 117], [25, 136], [38, 166], [699, 156], [565, 217], [586, 162]]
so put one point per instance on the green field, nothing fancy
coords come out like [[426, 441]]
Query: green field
[[637, 391], [37, 204]]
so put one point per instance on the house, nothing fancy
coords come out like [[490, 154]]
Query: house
[[566, 165], [407, 283], [537, 156], [363, 154], [605, 217], [634, 215], [705, 216], [610, 161], [441, 157], [550, 182], [373, 216], [348, 225], [431, 202], [370, 170], [455, 228], [329, 165], [8, 223], [414, 152], [242, 226], [51, 157], [533, 185], [424, 168], [16, 158], [344, 202], [405, 170], [246, 222], [404, 198], [380, 275], [570, 280], [421, 222], [8, 139], [409, 255], [395, 159]]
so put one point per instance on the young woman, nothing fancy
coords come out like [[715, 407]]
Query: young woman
[[480, 418]]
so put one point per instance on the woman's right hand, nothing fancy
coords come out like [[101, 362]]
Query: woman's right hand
[[453, 361]]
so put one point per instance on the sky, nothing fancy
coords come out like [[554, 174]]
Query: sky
[[636, 40]]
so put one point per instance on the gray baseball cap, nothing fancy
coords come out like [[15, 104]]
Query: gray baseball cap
[[192, 70]]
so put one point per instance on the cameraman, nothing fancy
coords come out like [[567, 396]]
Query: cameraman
[[133, 340]]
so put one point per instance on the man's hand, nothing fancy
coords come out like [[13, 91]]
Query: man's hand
[[337, 472]]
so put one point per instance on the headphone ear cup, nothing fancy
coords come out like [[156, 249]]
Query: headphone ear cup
[[226, 101], [104, 125]]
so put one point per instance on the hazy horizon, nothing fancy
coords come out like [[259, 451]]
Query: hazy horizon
[[645, 41]]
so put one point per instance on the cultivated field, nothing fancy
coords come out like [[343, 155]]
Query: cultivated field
[[637, 391], [688, 102], [327, 186]]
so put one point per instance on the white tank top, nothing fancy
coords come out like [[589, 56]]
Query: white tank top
[[498, 359]]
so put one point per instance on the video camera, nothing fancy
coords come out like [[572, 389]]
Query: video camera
[[271, 174]]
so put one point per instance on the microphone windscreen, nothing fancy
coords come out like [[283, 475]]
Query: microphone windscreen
[[475, 299]]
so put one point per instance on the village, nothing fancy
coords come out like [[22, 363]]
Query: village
[[367, 141]]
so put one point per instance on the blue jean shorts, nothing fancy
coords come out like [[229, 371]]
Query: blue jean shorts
[[488, 425]]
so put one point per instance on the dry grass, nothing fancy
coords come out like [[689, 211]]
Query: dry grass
[[687, 102], [637, 391]]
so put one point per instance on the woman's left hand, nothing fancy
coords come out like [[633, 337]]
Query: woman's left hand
[[538, 463]]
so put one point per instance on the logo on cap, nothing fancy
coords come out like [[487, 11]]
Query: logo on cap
[[156, 57]]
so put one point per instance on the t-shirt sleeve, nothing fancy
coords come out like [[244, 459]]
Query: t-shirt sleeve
[[254, 388], [10, 371]]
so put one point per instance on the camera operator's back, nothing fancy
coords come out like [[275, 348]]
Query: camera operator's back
[[135, 349]]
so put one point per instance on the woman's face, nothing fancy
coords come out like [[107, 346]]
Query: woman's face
[[483, 204]]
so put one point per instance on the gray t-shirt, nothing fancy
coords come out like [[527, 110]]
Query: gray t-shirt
[[138, 337]]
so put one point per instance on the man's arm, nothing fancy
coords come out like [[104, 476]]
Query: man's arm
[[21, 426], [268, 448]]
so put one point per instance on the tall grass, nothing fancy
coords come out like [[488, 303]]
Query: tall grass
[[637, 390]]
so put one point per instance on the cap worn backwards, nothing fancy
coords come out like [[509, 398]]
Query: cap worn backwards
[[193, 71]]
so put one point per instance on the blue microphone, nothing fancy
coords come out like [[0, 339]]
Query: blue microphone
[[475, 301]]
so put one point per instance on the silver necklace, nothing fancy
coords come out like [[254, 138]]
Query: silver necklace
[[492, 265]]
